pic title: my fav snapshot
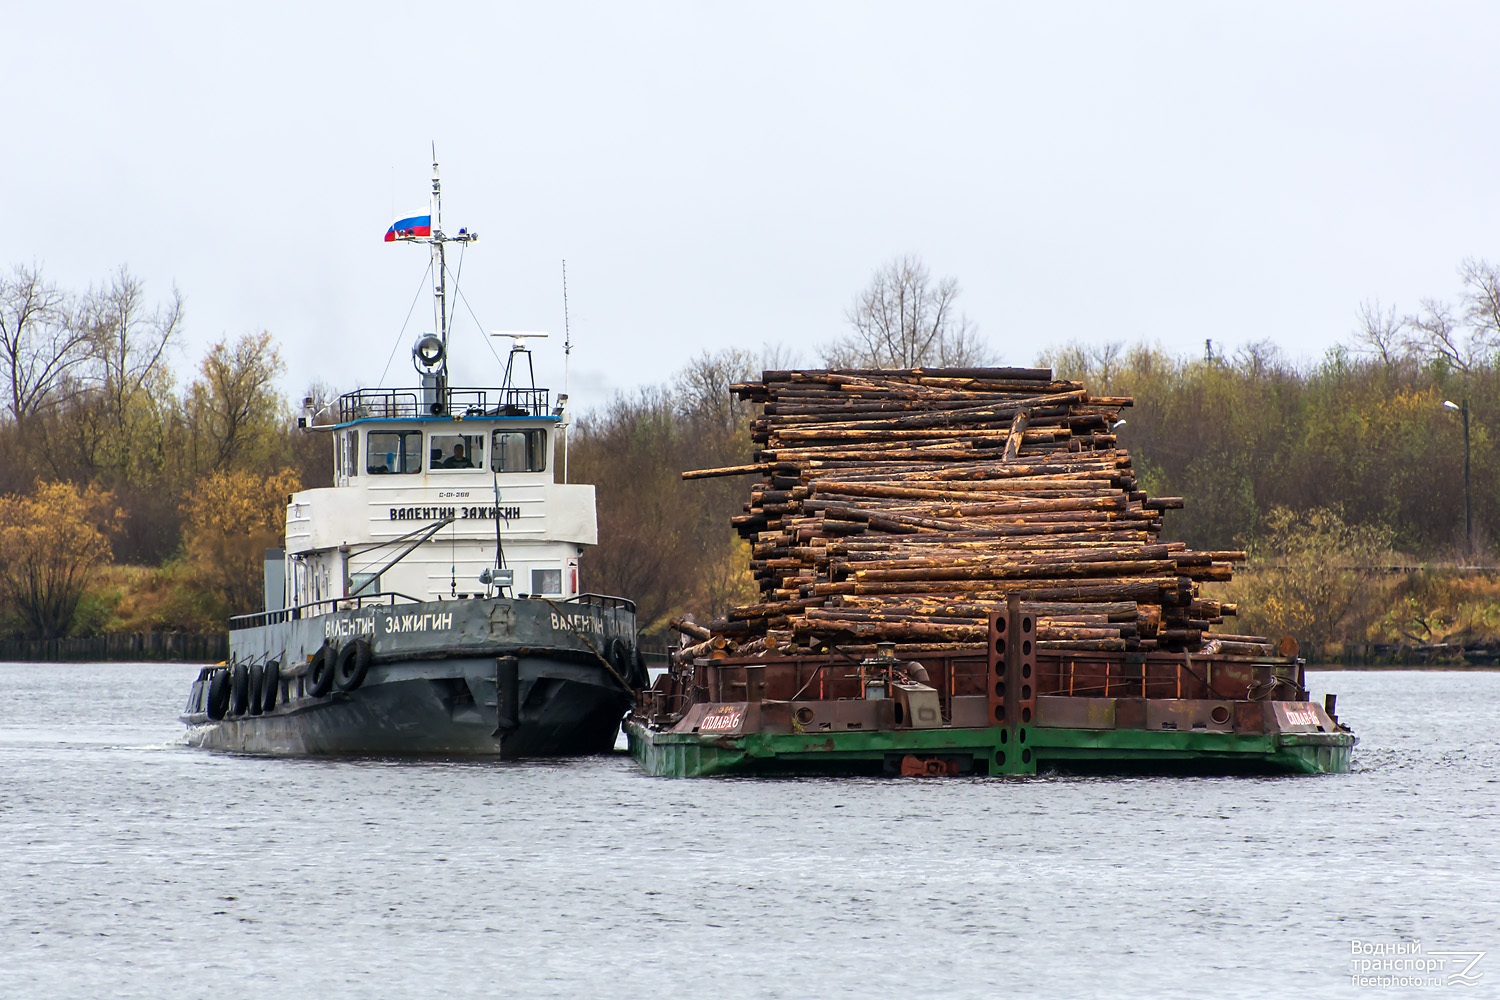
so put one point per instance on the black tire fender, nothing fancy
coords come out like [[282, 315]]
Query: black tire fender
[[270, 685], [619, 656], [239, 690], [320, 673], [256, 674], [352, 664], [218, 695]]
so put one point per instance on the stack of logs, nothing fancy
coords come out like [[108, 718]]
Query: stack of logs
[[905, 506]]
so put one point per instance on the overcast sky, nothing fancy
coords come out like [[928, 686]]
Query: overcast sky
[[721, 174]]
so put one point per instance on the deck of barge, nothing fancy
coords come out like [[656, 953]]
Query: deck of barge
[[1007, 709]]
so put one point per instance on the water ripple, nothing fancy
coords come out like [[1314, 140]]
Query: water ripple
[[134, 866]]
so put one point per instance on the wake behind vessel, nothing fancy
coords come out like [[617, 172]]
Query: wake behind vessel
[[428, 602]]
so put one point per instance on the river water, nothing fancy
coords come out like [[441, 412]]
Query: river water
[[131, 865]]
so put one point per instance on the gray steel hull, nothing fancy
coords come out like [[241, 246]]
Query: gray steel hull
[[437, 689]]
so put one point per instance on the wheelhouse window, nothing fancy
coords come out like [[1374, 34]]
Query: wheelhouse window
[[546, 581], [519, 451], [393, 452], [364, 583], [455, 451]]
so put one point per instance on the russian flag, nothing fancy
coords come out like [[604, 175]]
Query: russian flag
[[409, 226]]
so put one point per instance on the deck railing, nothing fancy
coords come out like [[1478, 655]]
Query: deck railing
[[612, 606], [407, 404], [315, 608]]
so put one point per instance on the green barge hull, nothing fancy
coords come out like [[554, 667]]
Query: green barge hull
[[1008, 708], [946, 750]]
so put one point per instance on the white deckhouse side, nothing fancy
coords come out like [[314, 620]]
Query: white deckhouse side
[[395, 479]]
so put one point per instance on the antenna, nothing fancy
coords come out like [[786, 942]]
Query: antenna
[[519, 336], [567, 356], [441, 291], [567, 331], [518, 340]]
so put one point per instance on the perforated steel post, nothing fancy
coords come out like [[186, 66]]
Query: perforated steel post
[[1012, 688]]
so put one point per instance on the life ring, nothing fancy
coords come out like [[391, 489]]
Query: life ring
[[218, 695], [256, 674], [239, 690], [352, 664], [270, 685], [320, 672]]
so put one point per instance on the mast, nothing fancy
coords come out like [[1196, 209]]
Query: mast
[[433, 364], [567, 356], [440, 291]]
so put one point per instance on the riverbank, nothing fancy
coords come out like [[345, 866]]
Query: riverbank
[[133, 647]]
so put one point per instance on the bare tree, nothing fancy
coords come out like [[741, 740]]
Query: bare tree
[[321, 394], [903, 320], [703, 395], [1096, 364], [39, 343], [1073, 360], [1381, 332], [1481, 297], [1107, 362], [1259, 358], [122, 404], [1434, 334], [128, 340], [779, 357]]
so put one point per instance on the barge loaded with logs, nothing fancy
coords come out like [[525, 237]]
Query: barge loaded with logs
[[959, 574], [427, 603]]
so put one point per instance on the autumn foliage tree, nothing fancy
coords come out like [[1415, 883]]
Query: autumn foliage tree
[[233, 408], [1242, 433], [51, 542], [233, 517], [628, 450], [665, 543], [1312, 575], [193, 460]]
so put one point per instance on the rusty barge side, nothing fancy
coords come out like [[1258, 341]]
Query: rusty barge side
[[1007, 708]]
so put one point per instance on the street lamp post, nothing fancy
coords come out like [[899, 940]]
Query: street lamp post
[[1463, 411]]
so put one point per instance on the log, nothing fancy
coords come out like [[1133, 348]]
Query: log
[[690, 629], [732, 470], [1017, 432], [910, 503]]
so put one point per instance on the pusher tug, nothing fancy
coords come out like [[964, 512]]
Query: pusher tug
[[428, 603]]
